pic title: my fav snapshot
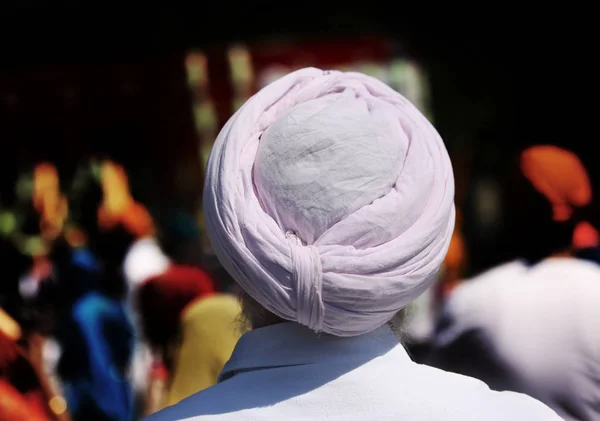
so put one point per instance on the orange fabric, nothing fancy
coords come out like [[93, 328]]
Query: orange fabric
[[9, 351], [456, 252], [560, 176], [115, 189], [16, 406], [48, 200], [118, 206]]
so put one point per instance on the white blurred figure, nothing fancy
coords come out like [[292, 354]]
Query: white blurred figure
[[531, 325]]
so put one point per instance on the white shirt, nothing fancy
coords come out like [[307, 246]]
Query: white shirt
[[539, 328], [287, 372]]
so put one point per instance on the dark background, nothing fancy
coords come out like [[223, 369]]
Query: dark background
[[501, 78]]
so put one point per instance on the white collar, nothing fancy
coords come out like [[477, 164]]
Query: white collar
[[291, 344]]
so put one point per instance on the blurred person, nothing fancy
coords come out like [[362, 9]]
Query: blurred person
[[96, 339], [23, 289], [23, 393], [95, 331], [190, 326], [329, 198], [122, 232], [530, 325]]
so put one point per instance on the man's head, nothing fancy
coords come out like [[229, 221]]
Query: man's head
[[329, 198]]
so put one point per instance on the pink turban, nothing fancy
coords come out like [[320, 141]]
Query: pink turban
[[329, 198]]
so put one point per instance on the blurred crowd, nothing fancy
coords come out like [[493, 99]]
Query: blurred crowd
[[98, 323]]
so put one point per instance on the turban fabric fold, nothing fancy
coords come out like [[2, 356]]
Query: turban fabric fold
[[330, 199]]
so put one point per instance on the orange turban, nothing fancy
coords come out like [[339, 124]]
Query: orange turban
[[560, 176]]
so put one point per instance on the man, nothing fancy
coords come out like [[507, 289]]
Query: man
[[329, 198], [530, 325]]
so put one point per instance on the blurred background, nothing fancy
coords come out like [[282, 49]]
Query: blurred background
[[130, 100]]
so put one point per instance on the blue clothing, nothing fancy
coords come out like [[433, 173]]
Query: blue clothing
[[97, 339]]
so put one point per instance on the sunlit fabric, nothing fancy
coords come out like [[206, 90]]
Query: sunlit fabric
[[329, 198], [209, 330], [560, 176]]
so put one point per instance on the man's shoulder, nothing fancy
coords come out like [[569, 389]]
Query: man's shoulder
[[441, 394], [475, 400]]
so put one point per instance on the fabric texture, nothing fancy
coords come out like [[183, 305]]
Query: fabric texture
[[287, 372], [530, 330], [329, 198], [209, 330]]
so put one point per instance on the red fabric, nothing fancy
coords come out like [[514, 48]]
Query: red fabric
[[9, 351], [585, 236], [16, 406], [162, 299]]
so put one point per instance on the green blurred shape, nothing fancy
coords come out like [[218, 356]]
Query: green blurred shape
[[34, 246], [8, 223]]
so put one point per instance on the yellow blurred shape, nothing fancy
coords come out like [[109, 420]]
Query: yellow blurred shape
[[116, 196], [48, 200], [58, 405], [9, 326], [196, 66], [205, 115], [240, 63], [35, 246]]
